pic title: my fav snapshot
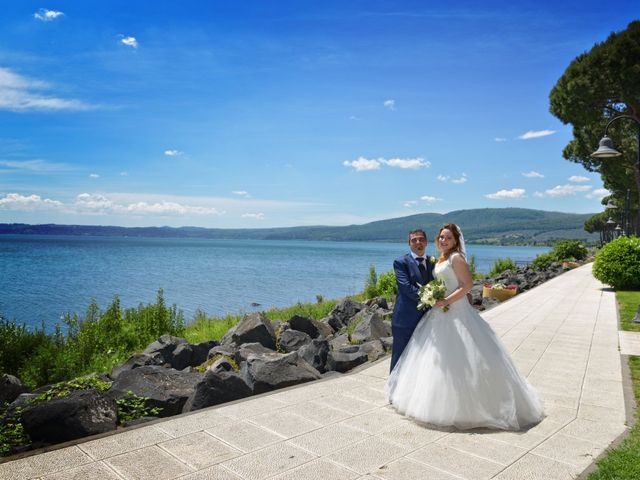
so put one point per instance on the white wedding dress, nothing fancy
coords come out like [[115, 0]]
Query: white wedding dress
[[456, 372]]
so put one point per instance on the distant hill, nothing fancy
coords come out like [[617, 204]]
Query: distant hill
[[499, 226]]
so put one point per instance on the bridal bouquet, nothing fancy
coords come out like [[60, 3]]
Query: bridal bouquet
[[430, 293]]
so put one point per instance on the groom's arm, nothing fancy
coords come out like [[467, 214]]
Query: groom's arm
[[403, 279]]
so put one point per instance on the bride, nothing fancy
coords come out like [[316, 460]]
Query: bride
[[455, 370]]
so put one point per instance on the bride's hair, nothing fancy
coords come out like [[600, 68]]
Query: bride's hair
[[455, 231]]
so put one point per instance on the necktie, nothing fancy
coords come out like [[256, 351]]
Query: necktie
[[422, 268]]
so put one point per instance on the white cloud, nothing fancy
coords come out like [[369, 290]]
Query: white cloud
[[538, 194], [102, 204], [532, 174], [390, 104], [410, 203], [169, 208], [500, 139], [173, 153], [93, 202], [565, 190], [578, 178], [536, 134], [514, 193], [460, 180], [362, 164], [413, 163], [429, 199], [21, 94], [598, 193], [34, 165], [124, 174], [17, 202], [257, 216], [447, 178], [94, 175], [129, 42], [242, 193], [47, 15]]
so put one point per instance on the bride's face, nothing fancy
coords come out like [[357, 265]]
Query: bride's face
[[446, 241]]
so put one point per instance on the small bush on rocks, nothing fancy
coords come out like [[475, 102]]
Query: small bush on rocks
[[618, 264], [500, 265], [569, 250]]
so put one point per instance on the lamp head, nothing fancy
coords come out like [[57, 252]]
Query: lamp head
[[606, 150]]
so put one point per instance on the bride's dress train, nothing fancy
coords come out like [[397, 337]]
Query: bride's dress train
[[456, 372]]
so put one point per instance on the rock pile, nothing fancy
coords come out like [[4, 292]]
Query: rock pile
[[255, 356]]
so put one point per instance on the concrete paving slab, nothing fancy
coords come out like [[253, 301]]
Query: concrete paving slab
[[563, 336], [91, 470], [245, 436], [199, 450], [149, 463], [216, 472], [629, 343]]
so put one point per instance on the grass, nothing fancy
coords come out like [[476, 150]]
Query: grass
[[623, 462], [204, 328]]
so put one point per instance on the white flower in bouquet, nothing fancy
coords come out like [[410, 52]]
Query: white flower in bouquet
[[430, 293]]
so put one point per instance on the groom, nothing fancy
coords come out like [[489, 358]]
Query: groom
[[411, 269]]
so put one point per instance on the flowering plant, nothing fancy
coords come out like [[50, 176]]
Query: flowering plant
[[430, 293]]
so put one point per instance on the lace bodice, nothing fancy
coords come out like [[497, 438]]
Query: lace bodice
[[444, 271]]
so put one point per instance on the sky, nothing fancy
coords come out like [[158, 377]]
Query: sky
[[254, 114]]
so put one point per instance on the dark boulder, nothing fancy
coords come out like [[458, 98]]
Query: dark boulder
[[177, 352], [10, 388], [76, 415], [165, 388], [315, 353], [227, 349], [135, 361], [343, 312], [370, 326], [254, 327], [268, 372], [311, 327], [248, 349], [343, 361], [291, 340], [216, 387], [374, 350], [339, 341], [162, 349]]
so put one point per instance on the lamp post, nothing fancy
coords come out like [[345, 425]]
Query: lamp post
[[607, 150], [610, 223]]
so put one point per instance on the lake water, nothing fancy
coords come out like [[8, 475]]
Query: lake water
[[42, 277]]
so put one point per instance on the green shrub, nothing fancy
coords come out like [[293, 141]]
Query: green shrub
[[386, 285], [370, 289], [501, 265], [543, 261], [618, 264], [569, 250]]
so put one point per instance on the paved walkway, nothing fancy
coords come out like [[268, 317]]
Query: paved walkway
[[563, 336]]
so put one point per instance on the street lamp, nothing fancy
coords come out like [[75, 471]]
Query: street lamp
[[609, 229], [607, 150]]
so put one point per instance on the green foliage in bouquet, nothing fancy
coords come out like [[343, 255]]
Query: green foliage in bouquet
[[618, 264]]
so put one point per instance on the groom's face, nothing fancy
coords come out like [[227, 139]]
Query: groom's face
[[417, 243]]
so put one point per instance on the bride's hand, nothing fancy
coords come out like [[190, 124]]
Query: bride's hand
[[441, 303]]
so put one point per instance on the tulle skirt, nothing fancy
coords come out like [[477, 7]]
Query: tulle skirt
[[456, 372]]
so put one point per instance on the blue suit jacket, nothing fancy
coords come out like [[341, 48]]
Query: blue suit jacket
[[405, 310]]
